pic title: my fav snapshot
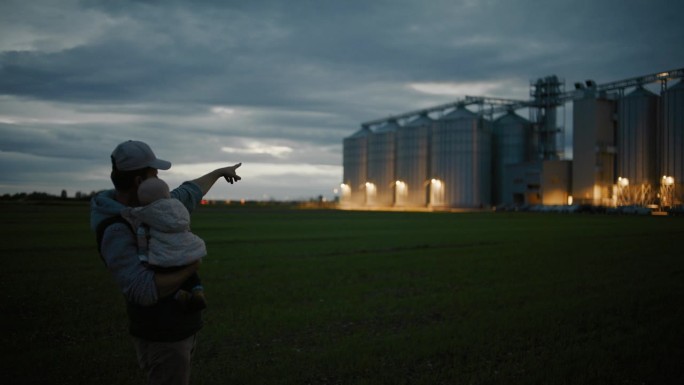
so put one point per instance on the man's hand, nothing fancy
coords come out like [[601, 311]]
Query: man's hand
[[229, 173], [169, 283]]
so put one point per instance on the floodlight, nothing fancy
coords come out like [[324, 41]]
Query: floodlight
[[667, 180], [623, 182]]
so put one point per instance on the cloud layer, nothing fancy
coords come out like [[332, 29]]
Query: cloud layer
[[272, 83]]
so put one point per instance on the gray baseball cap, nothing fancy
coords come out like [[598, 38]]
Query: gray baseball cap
[[135, 155]]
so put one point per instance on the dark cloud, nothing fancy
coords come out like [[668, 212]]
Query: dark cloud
[[265, 56], [76, 143]]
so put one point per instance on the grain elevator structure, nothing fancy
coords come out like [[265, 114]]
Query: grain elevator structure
[[480, 152]]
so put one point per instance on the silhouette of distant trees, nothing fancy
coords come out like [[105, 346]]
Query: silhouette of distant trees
[[43, 196]]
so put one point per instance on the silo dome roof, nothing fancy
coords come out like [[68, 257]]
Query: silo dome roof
[[389, 126], [422, 120], [511, 117], [640, 91], [678, 86], [364, 131], [459, 113]]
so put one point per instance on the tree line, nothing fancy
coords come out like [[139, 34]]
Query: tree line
[[43, 196]]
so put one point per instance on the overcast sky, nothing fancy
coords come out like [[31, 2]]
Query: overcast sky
[[277, 85]]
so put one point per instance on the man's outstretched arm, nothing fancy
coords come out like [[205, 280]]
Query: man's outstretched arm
[[205, 182]]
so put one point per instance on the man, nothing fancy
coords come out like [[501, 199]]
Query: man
[[164, 334]]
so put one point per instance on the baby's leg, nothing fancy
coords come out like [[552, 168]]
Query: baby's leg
[[191, 294]]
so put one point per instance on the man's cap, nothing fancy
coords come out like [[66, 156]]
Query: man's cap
[[135, 155]]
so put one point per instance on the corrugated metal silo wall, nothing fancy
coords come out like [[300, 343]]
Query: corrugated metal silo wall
[[636, 137], [672, 139], [461, 158], [354, 163], [484, 141], [412, 162], [592, 128], [381, 163], [512, 144]]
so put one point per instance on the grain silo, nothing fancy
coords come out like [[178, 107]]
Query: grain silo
[[460, 166], [381, 165], [593, 149], [512, 144], [637, 128], [412, 162], [355, 163], [671, 146]]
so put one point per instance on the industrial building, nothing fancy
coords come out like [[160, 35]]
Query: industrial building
[[479, 152]]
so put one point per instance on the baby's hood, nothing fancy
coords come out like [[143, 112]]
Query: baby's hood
[[102, 206]]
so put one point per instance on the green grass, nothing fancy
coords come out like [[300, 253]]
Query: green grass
[[342, 297]]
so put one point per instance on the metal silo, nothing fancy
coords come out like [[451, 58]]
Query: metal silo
[[355, 163], [593, 149], [671, 178], [381, 165], [460, 165], [636, 138], [512, 138], [410, 187]]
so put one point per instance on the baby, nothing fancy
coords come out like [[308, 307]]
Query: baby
[[165, 241]]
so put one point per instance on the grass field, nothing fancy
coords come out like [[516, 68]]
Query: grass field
[[341, 297]]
